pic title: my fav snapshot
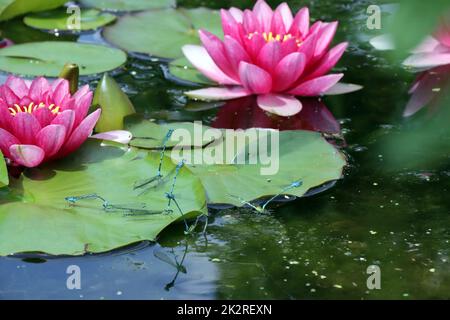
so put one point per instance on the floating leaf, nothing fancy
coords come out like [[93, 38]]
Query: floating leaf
[[303, 155], [42, 221], [13, 8], [128, 5], [58, 20], [162, 33], [181, 70], [150, 135], [114, 103], [4, 180], [18, 32], [48, 58]]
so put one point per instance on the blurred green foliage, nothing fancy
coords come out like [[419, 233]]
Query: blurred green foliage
[[424, 140], [414, 20]]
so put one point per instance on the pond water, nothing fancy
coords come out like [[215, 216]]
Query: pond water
[[317, 247]]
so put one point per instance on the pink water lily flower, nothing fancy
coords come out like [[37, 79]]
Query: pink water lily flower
[[271, 54], [40, 121], [432, 57]]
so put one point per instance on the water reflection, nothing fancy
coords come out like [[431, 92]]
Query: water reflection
[[244, 113], [429, 89], [172, 260]]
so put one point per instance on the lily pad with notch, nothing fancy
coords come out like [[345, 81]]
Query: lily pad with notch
[[162, 33], [49, 57], [35, 217], [90, 19]]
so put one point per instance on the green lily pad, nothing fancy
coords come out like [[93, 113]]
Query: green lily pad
[[48, 58], [303, 155], [4, 180], [150, 135], [128, 5], [34, 216], [13, 8], [91, 19], [162, 33], [182, 70]]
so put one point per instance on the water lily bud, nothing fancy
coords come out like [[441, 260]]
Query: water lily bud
[[114, 103], [71, 72]]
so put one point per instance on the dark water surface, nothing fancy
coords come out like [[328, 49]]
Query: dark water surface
[[316, 247]]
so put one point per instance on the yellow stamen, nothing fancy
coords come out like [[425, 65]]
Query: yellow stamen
[[268, 37], [33, 107]]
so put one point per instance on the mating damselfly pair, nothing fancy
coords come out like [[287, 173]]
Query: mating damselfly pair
[[139, 208]]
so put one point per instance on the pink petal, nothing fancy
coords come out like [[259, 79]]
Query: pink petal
[[429, 45], [264, 15], [326, 35], [237, 14], [289, 70], [60, 92], [25, 101], [300, 25], [25, 127], [329, 61], [423, 92], [235, 53], [6, 140], [255, 79], [200, 59], [82, 106], [289, 46], [254, 44], [81, 92], [80, 134], [383, 42], [250, 23], [44, 116], [229, 25], [18, 86], [317, 86], [277, 26], [282, 105], [67, 119], [5, 116], [342, 88], [8, 96], [426, 61], [39, 89], [119, 136], [218, 93], [56, 83], [51, 139], [29, 156], [286, 14], [269, 56], [308, 46], [216, 50]]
